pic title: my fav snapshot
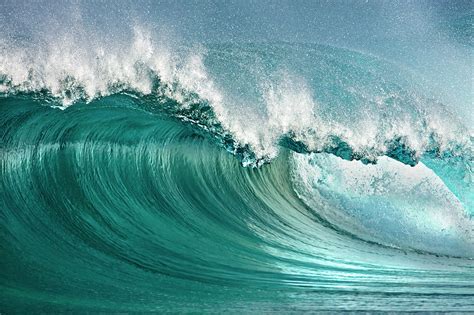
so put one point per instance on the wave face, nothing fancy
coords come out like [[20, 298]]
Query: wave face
[[221, 177]]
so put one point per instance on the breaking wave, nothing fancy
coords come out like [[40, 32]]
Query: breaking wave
[[118, 192]]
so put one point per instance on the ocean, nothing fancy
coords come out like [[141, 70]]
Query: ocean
[[175, 157]]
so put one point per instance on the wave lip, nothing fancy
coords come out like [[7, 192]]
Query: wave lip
[[261, 109]]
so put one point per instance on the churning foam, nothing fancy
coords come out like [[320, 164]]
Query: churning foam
[[288, 103]]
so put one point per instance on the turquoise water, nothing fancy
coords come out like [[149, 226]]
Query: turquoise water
[[229, 177]]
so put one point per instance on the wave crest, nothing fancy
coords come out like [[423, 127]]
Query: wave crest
[[332, 100]]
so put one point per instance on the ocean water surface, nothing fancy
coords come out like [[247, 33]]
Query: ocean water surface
[[181, 156]]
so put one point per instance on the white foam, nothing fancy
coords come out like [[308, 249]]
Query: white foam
[[76, 65], [391, 203]]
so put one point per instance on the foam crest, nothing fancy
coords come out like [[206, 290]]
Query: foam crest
[[318, 102], [70, 69]]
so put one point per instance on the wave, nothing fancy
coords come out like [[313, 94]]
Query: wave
[[118, 159]]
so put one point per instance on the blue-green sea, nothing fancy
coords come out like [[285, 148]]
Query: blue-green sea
[[239, 157]]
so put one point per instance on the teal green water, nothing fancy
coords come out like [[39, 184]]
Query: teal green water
[[108, 207], [228, 177]]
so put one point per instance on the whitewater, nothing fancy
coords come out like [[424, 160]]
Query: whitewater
[[146, 169]]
